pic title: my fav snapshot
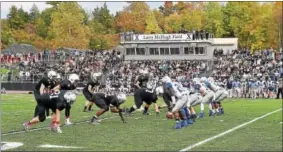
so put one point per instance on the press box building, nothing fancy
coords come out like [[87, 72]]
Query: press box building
[[176, 46]]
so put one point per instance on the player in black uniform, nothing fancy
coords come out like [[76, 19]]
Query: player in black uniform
[[145, 92], [45, 85], [56, 101], [88, 92], [105, 102], [69, 84]]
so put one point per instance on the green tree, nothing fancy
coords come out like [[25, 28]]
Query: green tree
[[68, 28], [151, 24], [14, 18], [24, 16], [103, 16], [214, 19], [34, 13]]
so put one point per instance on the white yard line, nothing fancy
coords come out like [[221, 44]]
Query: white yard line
[[228, 131], [58, 146], [42, 128]]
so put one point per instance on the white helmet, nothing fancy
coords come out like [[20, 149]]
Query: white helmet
[[203, 79], [70, 97], [52, 74], [58, 76], [166, 79], [73, 78], [195, 80], [121, 97], [159, 90]]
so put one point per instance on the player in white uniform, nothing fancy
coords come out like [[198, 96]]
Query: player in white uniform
[[182, 97], [207, 97], [220, 94]]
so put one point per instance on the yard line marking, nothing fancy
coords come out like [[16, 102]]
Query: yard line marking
[[228, 131], [42, 128], [57, 146], [10, 145]]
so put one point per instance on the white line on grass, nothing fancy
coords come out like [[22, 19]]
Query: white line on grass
[[228, 131], [57, 146], [42, 128]]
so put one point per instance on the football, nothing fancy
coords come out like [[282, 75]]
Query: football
[[169, 115]]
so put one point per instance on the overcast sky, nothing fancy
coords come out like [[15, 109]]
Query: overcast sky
[[89, 6]]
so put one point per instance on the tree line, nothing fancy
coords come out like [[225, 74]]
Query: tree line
[[258, 25]]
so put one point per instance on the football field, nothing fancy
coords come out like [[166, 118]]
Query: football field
[[247, 125]]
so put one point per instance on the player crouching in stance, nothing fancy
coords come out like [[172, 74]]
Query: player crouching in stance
[[180, 110], [69, 84], [145, 92], [56, 102], [88, 92], [103, 101]]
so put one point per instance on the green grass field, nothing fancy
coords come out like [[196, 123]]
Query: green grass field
[[147, 133]]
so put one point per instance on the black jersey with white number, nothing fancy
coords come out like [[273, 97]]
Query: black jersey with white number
[[92, 84], [48, 83], [108, 99], [67, 85]]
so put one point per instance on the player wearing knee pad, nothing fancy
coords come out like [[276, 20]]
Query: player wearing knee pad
[[104, 102], [88, 92], [145, 92], [55, 101], [182, 97]]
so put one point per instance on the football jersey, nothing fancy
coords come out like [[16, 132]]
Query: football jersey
[[211, 86], [178, 89]]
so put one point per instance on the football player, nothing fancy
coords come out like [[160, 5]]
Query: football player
[[220, 94], [145, 92], [105, 102], [88, 92], [208, 96], [56, 101], [69, 84], [182, 97], [44, 86]]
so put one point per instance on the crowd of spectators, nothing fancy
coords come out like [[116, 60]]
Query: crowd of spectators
[[34, 67], [239, 64]]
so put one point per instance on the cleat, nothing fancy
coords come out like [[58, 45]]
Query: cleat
[[218, 113], [26, 126], [57, 130], [190, 121], [184, 123], [95, 121], [178, 126], [210, 113], [67, 123], [201, 115], [222, 111], [49, 117]]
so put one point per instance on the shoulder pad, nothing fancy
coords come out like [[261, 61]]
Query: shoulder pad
[[169, 85]]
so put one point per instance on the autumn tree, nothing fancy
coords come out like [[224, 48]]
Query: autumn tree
[[151, 24], [214, 19], [69, 32]]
